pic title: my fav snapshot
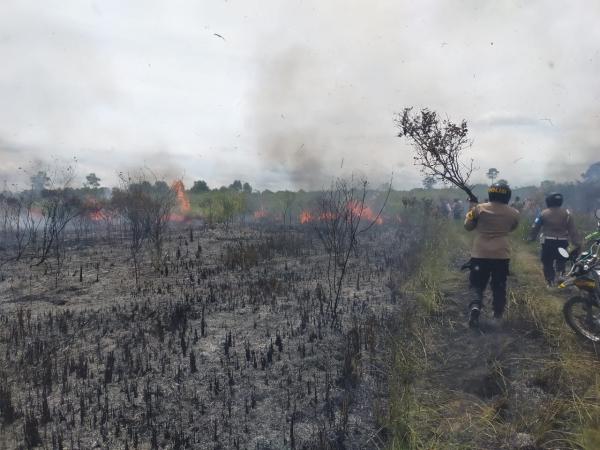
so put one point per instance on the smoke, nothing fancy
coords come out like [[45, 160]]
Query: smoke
[[300, 91], [577, 148], [158, 163], [20, 162], [290, 138], [308, 124]]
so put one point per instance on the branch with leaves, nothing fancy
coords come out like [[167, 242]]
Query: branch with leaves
[[439, 145]]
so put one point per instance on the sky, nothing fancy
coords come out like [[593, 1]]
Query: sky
[[289, 94]]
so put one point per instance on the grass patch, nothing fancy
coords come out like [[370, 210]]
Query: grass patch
[[572, 375], [414, 422], [433, 273], [552, 394]]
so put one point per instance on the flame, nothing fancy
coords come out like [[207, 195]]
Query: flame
[[364, 212], [306, 217], [327, 215], [95, 211], [173, 217], [261, 213], [370, 216], [179, 188], [97, 216], [354, 208], [36, 212]]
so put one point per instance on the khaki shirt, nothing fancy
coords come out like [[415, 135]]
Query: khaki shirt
[[556, 223], [492, 222]]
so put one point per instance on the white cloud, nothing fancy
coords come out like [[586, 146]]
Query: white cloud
[[121, 84]]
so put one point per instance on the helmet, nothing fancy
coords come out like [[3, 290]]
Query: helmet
[[499, 192], [554, 199]]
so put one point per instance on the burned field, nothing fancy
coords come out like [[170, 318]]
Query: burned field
[[233, 341]]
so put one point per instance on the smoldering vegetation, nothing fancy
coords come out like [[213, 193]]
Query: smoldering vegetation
[[134, 332]]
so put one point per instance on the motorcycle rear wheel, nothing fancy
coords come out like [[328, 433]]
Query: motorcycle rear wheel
[[583, 317]]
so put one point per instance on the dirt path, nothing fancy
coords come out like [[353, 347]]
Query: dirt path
[[498, 387]]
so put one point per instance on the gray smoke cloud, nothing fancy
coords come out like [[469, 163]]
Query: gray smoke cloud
[[312, 123], [296, 92], [292, 138]]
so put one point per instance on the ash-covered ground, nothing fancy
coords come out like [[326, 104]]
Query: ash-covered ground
[[230, 343]]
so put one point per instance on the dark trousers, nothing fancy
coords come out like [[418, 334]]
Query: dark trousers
[[482, 269], [551, 259]]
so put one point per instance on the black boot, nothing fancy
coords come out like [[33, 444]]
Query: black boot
[[474, 315]]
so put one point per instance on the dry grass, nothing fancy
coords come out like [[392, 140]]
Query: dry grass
[[426, 285], [563, 407], [572, 417]]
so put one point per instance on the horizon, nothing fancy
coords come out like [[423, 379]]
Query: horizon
[[440, 186], [292, 96]]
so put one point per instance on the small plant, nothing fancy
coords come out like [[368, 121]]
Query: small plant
[[7, 409], [31, 435]]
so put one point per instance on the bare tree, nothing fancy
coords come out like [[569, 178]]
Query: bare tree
[[209, 203], [439, 146], [145, 210], [19, 226], [341, 212], [130, 201], [158, 208], [228, 207], [288, 203], [231, 204], [59, 207]]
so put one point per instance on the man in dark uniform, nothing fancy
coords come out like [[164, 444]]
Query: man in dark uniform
[[490, 256], [558, 227]]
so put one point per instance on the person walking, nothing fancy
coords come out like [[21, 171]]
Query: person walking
[[558, 229], [457, 209], [490, 255]]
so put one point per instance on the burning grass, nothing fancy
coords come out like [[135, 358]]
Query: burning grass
[[227, 343], [179, 188]]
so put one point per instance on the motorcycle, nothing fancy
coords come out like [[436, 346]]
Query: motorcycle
[[582, 312]]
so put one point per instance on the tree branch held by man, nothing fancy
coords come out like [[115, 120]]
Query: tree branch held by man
[[439, 146]]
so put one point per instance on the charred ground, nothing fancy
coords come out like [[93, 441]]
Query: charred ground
[[228, 344], [232, 342]]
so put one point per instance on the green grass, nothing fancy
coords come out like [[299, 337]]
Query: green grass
[[568, 415], [412, 422], [573, 417], [433, 271]]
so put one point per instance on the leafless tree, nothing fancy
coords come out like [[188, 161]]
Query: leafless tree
[[158, 209], [130, 201], [439, 145], [341, 220], [288, 204], [108, 218], [58, 207], [18, 226], [228, 208], [145, 209]]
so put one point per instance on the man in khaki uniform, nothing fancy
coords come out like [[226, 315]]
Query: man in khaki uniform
[[490, 255], [558, 227]]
